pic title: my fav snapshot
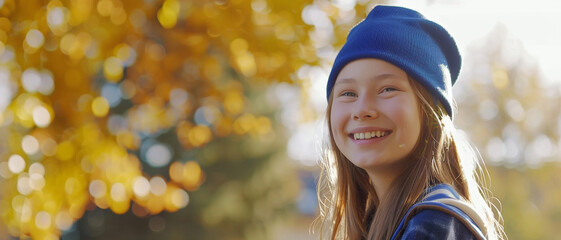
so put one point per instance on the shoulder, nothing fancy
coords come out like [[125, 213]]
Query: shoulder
[[434, 224]]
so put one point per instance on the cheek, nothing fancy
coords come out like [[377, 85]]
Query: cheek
[[413, 123], [407, 117], [337, 121]]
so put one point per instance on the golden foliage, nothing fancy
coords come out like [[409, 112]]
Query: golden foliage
[[85, 83]]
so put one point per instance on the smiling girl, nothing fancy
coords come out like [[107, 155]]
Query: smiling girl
[[396, 167]]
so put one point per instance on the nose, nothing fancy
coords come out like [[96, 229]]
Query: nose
[[365, 110], [364, 115]]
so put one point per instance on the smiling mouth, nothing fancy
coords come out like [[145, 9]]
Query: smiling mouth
[[369, 135]]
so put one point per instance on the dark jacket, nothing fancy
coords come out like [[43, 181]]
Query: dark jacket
[[432, 219]]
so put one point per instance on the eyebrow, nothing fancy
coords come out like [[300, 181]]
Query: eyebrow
[[378, 77]]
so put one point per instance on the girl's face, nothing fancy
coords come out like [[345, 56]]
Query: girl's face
[[375, 115]]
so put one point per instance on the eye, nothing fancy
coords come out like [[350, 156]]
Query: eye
[[348, 94], [388, 89]]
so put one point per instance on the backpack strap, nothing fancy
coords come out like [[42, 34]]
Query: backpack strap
[[444, 198]]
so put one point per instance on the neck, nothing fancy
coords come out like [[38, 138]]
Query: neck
[[382, 179], [381, 184]]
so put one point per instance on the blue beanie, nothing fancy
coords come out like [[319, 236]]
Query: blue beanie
[[406, 39]]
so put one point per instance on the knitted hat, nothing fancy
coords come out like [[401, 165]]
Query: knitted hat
[[406, 39]]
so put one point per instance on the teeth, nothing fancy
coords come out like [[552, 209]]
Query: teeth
[[369, 135]]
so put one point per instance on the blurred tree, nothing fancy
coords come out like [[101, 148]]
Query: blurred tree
[[512, 115], [127, 105], [515, 117]]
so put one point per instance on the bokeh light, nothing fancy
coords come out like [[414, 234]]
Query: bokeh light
[[16, 163], [141, 187], [126, 54], [36, 168], [180, 198], [192, 175], [157, 154], [43, 220], [34, 38], [118, 192], [158, 186], [31, 80], [98, 188], [168, 14], [36, 181], [23, 184], [48, 147], [112, 93], [57, 19], [100, 106], [30, 145], [113, 69], [41, 116], [199, 135], [157, 224], [63, 221]]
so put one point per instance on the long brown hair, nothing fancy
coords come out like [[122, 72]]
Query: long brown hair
[[349, 205]]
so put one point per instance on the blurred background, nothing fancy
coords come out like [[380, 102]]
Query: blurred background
[[203, 119]]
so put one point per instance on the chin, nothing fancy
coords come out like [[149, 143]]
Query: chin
[[365, 162]]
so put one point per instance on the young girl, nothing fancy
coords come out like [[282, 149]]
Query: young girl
[[396, 168]]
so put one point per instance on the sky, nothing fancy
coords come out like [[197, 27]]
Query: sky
[[536, 23]]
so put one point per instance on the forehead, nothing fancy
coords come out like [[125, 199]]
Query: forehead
[[369, 67]]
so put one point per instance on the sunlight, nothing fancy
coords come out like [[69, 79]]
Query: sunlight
[[536, 25]]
